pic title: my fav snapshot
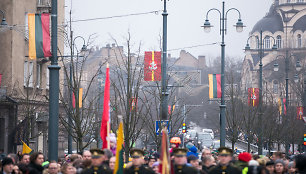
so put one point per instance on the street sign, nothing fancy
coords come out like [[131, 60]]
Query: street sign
[[159, 123]]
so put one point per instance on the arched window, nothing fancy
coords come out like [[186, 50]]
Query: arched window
[[257, 42], [267, 42], [279, 41], [275, 87], [299, 41]]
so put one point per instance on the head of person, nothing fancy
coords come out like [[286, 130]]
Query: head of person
[[107, 154], [291, 167], [53, 167], [208, 161], [206, 152], [25, 159], [137, 157], [193, 160], [86, 155], [270, 166], [175, 142], [37, 158], [224, 155], [112, 162], [277, 155], [14, 157], [7, 165], [97, 157], [300, 161], [279, 166], [112, 140], [180, 156], [68, 168], [245, 157], [155, 167], [152, 160]]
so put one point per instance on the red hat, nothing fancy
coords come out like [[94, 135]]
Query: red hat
[[245, 156]]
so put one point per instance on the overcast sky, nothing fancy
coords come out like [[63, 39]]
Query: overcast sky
[[184, 21]]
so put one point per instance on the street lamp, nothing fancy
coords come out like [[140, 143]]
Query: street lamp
[[261, 51], [3, 22], [239, 28]]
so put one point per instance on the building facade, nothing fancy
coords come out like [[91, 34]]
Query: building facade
[[25, 83]]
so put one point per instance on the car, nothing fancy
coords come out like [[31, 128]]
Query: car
[[204, 140], [210, 131]]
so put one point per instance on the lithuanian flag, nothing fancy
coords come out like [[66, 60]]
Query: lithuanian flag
[[39, 35], [119, 151], [165, 163], [214, 85], [282, 106], [25, 148]]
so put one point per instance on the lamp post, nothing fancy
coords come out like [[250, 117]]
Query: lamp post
[[54, 89], [3, 21], [260, 52], [223, 27], [164, 97]]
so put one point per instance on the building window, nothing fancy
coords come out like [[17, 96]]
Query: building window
[[275, 87], [257, 42], [288, 1], [38, 75], [279, 41], [299, 41], [267, 42], [28, 74], [300, 1]]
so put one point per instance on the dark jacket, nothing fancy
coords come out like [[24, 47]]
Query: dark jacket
[[35, 169], [185, 170], [141, 170], [229, 169]]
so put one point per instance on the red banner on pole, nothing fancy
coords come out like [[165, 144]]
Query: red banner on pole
[[299, 112], [253, 96], [152, 66], [133, 104]]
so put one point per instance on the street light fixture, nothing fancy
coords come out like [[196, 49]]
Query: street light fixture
[[3, 22], [239, 28], [298, 66]]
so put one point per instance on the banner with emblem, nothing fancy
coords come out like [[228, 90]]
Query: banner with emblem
[[299, 112], [253, 96], [282, 106], [152, 66]]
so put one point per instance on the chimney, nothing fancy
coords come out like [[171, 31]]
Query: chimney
[[202, 62]]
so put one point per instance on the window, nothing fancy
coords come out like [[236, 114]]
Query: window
[[28, 74], [47, 78], [275, 87], [300, 1], [288, 1], [267, 42], [38, 75], [299, 41], [279, 41], [257, 42]]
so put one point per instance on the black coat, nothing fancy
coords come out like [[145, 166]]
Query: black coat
[[103, 169], [184, 169], [35, 169], [229, 169], [141, 170]]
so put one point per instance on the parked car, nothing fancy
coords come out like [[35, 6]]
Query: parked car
[[204, 140], [210, 131]]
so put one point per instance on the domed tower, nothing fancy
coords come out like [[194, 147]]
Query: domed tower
[[286, 23]]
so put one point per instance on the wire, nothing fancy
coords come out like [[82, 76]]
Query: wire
[[194, 46], [119, 16]]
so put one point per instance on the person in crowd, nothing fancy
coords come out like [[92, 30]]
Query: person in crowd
[[97, 166], [279, 167], [277, 155], [243, 159], [68, 168], [224, 167], [180, 161], [192, 151], [53, 168], [112, 162], [78, 164], [155, 167], [36, 160], [205, 152], [25, 159], [19, 155], [152, 160], [174, 143], [14, 157], [193, 160], [207, 163], [86, 155], [16, 169], [137, 163], [7, 165], [291, 168], [23, 168], [300, 161], [270, 167], [107, 155], [113, 143]]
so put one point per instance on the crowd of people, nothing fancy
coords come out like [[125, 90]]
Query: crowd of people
[[97, 161]]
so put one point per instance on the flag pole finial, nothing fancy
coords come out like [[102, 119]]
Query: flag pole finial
[[107, 65]]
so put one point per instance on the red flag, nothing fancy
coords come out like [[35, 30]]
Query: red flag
[[253, 96], [171, 109], [165, 163], [152, 66], [133, 103], [0, 78], [73, 100], [105, 128], [299, 112]]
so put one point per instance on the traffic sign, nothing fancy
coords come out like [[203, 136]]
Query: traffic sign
[[159, 123]]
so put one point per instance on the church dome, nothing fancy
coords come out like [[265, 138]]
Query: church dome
[[300, 24], [271, 22]]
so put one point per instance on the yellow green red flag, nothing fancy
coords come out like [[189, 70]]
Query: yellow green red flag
[[119, 151]]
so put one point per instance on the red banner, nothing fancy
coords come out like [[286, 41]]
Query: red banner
[[253, 96], [299, 112], [152, 66], [133, 102]]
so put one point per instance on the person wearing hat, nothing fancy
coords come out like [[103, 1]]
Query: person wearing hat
[[137, 163], [96, 163], [224, 167], [270, 167], [7, 166], [243, 159], [180, 161]]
